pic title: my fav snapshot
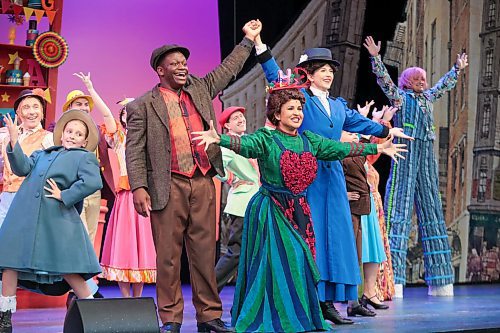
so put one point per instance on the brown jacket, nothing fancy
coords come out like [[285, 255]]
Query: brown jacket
[[355, 180], [148, 142]]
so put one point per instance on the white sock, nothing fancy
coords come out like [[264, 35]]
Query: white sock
[[446, 290], [8, 303], [398, 291]]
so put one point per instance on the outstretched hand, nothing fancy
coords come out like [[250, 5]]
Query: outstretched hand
[[399, 133], [207, 137], [392, 150], [461, 62], [377, 115], [365, 109], [252, 29], [370, 45], [389, 112], [86, 79]]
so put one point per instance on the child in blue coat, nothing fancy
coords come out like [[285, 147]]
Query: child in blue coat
[[43, 244]]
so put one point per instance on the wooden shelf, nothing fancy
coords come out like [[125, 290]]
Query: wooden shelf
[[8, 86], [16, 47]]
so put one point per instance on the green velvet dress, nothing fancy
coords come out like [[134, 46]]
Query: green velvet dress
[[277, 275]]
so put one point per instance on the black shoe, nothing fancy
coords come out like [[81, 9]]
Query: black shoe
[[170, 327], [333, 315], [5, 322], [98, 295], [216, 325], [377, 306], [360, 311], [69, 300]]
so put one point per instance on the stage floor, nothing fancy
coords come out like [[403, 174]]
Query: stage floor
[[472, 308]]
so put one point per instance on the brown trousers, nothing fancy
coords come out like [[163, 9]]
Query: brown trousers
[[356, 224], [189, 218]]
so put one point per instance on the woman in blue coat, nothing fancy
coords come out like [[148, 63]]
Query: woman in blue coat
[[43, 242], [327, 116]]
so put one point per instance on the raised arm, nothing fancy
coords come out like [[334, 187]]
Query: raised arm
[[383, 79], [357, 123], [20, 164], [266, 60], [220, 77], [99, 104], [449, 80]]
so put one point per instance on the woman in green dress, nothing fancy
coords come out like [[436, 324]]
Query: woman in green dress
[[277, 275]]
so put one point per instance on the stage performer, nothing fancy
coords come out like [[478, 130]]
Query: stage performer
[[243, 175], [30, 108], [327, 116], [415, 181], [76, 99], [48, 249], [277, 276], [378, 279], [128, 253], [172, 180]]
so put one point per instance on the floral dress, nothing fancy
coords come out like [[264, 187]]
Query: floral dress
[[128, 253]]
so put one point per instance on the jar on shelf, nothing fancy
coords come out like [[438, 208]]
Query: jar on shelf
[[14, 77]]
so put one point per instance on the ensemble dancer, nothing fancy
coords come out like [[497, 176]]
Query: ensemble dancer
[[415, 180], [277, 276], [171, 179], [358, 194], [48, 246], [383, 288], [30, 108], [328, 116], [76, 99], [243, 176], [128, 253]]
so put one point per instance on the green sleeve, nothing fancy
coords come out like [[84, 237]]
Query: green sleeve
[[331, 150], [250, 145]]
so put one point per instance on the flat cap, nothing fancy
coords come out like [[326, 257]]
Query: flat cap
[[159, 52]]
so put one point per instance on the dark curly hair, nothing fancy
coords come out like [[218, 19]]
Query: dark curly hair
[[279, 97], [313, 66]]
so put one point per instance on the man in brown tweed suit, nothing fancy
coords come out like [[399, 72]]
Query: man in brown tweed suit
[[171, 178]]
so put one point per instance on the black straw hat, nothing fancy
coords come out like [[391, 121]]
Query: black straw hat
[[317, 54]]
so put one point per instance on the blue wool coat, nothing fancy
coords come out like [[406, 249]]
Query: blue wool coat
[[44, 238], [336, 254]]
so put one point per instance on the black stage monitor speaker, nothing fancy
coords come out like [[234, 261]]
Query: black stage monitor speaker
[[112, 315]]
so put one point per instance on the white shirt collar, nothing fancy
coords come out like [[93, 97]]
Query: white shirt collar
[[22, 130], [319, 93]]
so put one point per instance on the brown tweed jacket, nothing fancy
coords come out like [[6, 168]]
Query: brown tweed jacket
[[355, 180], [148, 141]]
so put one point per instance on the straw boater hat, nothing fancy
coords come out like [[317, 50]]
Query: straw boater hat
[[73, 96], [93, 135]]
